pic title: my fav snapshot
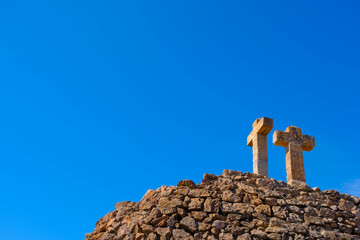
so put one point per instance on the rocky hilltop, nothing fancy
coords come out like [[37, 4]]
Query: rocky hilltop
[[233, 205]]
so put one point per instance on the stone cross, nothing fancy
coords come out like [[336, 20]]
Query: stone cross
[[257, 140], [295, 143]]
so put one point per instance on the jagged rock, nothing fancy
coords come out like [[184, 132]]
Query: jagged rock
[[263, 209], [198, 215], [186, 183], [245, 236], [181, 234], [346, 205], [164, 233], [294, 218], [203, 227], [235, 205], [280, 212], [229, 196], [219, 224], [276, 222], [209, 177], [226, 236], [195, 204], [189, 224], [198, 193], [276, 230], [274, 236], [258, 234], [211, 205]]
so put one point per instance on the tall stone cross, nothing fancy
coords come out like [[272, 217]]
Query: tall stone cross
[[295, 143], [257, 140]]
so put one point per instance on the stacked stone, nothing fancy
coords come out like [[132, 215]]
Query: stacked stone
[[233, 205]]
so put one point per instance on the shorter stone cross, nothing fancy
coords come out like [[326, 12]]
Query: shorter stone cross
[[257, 140], [295, 143]]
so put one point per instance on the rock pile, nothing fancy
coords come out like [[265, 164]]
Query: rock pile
[[233, 205]]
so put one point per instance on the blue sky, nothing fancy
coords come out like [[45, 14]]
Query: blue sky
[[102, 100]]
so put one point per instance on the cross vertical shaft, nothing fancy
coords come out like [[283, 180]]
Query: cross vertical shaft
[[295, 169], [260, 155]]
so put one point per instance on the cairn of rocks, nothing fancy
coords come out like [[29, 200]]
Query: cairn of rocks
[[234, 205]]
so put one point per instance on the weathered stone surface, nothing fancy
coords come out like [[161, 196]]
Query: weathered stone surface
[[164, 233], [169, 202], [280, 212], [189, 224], [203, 227], [186, 183], [258, 234], [274, 236], [211, 205], [209, 177], [233, 206], [229, 196], [294, 143], [198, 215], [226, 236], [219, 224], [227, 208], [198, 193], [147, 228], [300, 228], [346, 205], [181, 234], [257, 140], [276, 222], [107, 236], [245, 236], [263, 209], [294, 218], [195, 204]]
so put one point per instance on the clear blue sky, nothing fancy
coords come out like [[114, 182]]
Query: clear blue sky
[[102, 100]]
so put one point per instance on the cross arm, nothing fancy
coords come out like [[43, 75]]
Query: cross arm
[[281, 138], [261, 126], [308, 142]]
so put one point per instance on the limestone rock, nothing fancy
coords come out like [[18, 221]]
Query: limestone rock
[[181, 234], [189, 224], [233, 206], [186, 183], [219, 224]]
